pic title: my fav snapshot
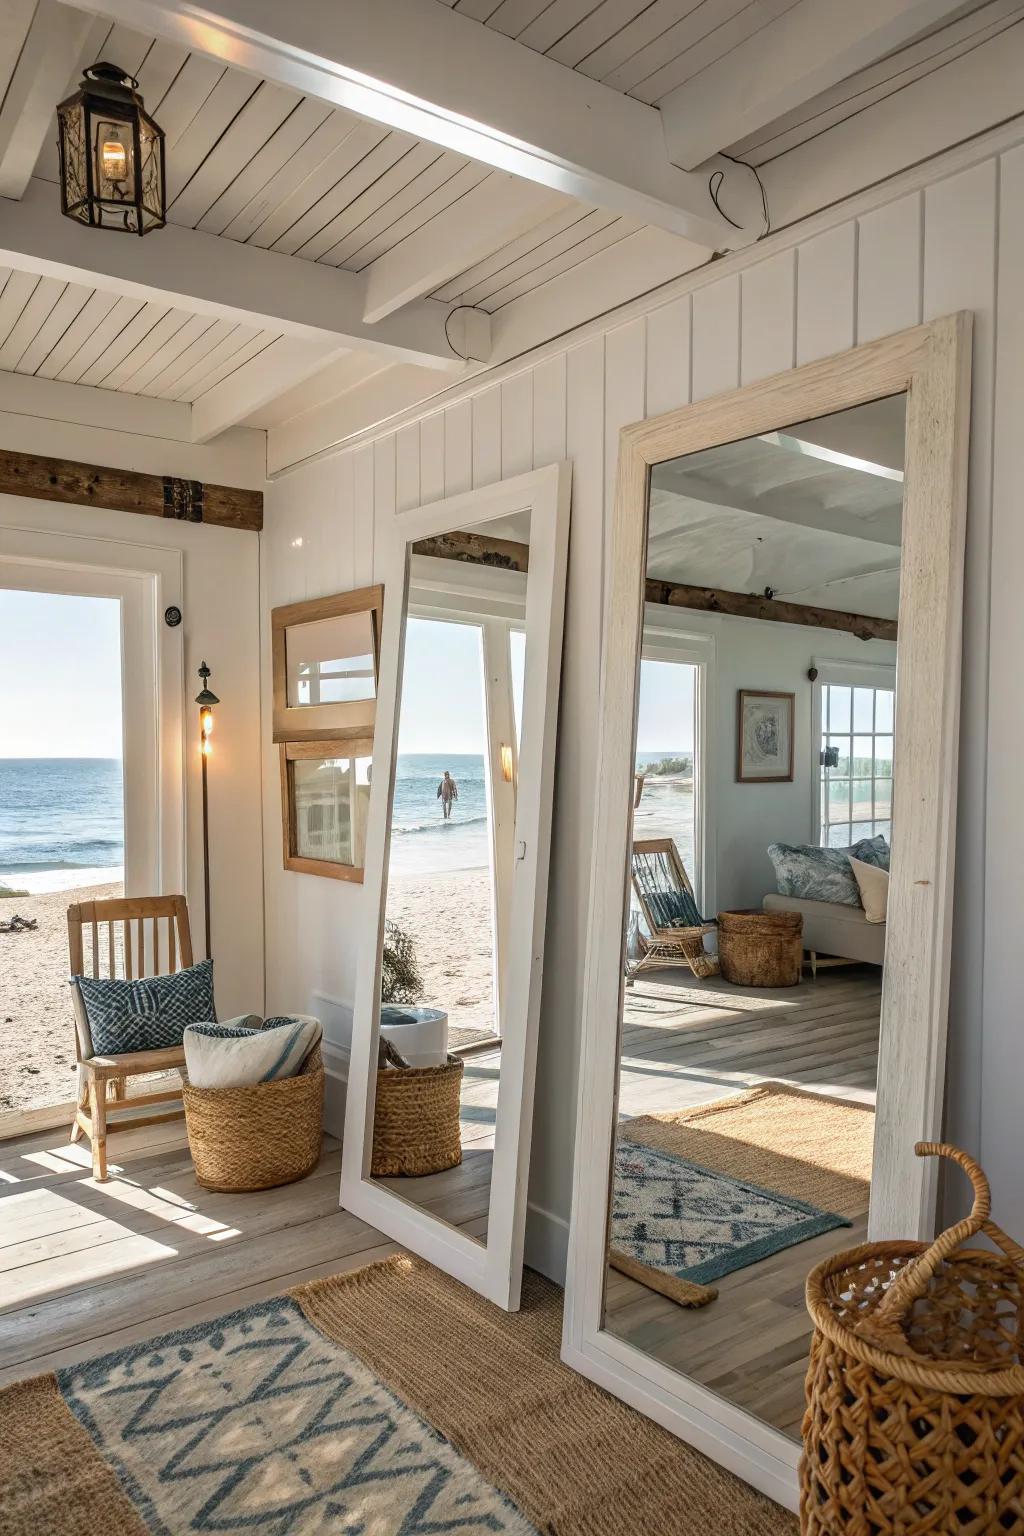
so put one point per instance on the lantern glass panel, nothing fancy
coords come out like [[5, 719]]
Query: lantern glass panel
[[73, 157]]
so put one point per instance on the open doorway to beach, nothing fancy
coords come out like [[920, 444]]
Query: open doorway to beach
[[61, 825]]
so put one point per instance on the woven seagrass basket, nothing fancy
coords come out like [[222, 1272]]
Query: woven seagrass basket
[[915, 1389], [761, 949], [258, 1136], [416, 1120]]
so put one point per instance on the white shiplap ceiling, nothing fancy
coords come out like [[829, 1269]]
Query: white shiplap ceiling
[[647, 48], [258, 163], [78, 335]]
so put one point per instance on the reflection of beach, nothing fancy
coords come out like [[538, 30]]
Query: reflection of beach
[[666, 810], [449, 917]]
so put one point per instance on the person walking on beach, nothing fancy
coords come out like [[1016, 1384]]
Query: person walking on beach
[[447, 791]]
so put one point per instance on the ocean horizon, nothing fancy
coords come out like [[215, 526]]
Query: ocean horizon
[[61, 821]]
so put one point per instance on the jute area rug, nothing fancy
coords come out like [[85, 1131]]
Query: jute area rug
[[391, 1400], [806, 1148]]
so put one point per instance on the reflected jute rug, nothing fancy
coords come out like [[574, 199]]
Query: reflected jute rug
[[391, 1400], [792, 1164]]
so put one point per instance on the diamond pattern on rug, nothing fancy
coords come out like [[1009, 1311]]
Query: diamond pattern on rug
[[697, 1225], [255, 1421]]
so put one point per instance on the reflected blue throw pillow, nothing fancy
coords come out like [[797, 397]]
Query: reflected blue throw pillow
[[824, 874], [151, 1014]]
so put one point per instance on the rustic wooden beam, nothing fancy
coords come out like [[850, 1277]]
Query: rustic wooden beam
[[752, 605], [124, 490], [476, 549]]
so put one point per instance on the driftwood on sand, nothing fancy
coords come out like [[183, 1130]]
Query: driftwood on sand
[[18, 924]]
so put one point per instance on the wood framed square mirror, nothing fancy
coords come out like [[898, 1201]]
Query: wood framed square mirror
[[325, 655]]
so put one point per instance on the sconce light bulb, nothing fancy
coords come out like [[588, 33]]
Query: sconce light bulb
[[506, 763], [206, 721], [207, 746]]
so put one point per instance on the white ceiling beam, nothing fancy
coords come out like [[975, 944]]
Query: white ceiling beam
[[279, 367], [53, 400], [47, 58], [810, 47], [429, 71], [203, 273], [489, 216], [964, 98]]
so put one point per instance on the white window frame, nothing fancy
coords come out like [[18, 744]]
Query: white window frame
[[834, 673]]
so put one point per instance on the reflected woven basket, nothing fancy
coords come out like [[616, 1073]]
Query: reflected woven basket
[[915, 1389], [258, 1136], [416, 1120]]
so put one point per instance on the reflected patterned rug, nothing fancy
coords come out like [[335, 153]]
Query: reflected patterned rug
[[705, 1191], [386, 1402]]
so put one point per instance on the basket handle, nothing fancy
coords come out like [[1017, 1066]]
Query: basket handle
[[911, 1284]]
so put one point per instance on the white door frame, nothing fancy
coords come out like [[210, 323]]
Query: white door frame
[[493, 1268], [145, 581], [931, 364]]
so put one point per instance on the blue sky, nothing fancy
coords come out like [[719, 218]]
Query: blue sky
[[60, 683], [665, 722], [442, 689]]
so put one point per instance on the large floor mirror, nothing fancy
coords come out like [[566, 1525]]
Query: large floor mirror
[[766, 1015], [444, 1039]]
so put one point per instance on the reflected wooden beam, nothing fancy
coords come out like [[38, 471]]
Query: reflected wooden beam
[[476, 549], [752, 605]]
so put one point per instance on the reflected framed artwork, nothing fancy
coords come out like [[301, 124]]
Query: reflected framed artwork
[[764, 737]]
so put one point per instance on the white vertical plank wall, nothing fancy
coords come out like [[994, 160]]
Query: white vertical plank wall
[[910, 256]]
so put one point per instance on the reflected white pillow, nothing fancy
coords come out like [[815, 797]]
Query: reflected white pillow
[[873, 885], [234, 1055]]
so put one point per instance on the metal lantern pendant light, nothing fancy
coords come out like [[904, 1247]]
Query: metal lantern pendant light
[[111, 155]]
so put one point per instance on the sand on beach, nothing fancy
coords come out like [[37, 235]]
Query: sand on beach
[[37, 1027], [449, 917]]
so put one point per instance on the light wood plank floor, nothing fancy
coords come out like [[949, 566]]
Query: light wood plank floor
[[86, 1267], [686, 1042]]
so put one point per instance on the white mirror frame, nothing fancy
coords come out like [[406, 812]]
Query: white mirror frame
[[932, 364], [495, 1268]]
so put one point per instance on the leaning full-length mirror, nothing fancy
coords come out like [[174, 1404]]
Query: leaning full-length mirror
[[447, 1013], [762, 817], [771, 905]]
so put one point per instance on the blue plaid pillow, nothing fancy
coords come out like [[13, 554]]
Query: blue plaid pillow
[[151, 1014]]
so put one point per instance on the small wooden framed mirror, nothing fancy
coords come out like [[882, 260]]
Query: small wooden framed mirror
[[326, 652], [325, 799]]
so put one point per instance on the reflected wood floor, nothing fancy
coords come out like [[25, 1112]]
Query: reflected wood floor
[[87, 1267], [686, 1042]]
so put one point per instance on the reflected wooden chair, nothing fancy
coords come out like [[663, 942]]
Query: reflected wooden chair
[[670, 911], [123, 934]]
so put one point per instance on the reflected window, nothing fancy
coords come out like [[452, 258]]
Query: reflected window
[[857, 733]]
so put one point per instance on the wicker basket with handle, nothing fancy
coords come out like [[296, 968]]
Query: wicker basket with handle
[[416, 1126], [915, 1389], [258, 1136]]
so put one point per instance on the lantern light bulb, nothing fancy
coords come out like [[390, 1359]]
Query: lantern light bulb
[[115, 160]]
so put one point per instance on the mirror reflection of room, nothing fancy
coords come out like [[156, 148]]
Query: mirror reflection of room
[[755, 925], [451, 861]]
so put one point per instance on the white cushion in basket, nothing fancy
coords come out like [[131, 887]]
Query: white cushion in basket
[[234, 1055]]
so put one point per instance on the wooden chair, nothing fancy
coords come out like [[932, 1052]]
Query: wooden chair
[[669, 907], [112, 940]]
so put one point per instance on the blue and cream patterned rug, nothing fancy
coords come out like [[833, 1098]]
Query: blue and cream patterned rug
[[677, 1227], [389, 1401], [256, 1421]]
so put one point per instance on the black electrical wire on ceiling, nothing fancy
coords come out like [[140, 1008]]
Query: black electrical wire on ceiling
[[715, 186]]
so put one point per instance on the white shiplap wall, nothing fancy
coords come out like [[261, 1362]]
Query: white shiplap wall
[[923, 254]]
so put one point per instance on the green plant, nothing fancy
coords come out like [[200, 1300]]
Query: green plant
[[400, 979]]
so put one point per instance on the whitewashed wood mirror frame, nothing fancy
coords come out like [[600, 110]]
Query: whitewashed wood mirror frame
[[931, 365], [492, 1267]]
